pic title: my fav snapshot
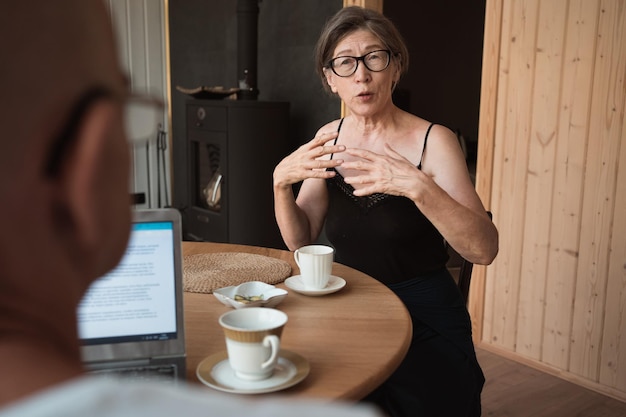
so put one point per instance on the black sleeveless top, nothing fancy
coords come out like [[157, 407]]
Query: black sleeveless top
[[385, 236]]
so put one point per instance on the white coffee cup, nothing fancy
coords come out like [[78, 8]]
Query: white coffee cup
[[253, 340], [315, 263]]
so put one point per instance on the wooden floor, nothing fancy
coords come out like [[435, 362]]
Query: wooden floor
[[516, 390]]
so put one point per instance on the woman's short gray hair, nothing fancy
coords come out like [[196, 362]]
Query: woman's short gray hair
[[351, 19]]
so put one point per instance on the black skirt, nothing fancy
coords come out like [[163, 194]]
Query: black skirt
[[440, 375]]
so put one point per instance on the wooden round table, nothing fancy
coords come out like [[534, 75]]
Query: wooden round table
[[353, 339]]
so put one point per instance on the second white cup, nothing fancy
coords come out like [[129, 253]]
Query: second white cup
[[315, 263]]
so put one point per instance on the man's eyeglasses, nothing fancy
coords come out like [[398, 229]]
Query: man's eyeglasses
[[345, 66], [141, 116]]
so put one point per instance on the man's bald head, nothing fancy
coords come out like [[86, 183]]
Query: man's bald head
[[50, 59], [55, 54]]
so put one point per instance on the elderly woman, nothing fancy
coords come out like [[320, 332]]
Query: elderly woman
[[390, 189]]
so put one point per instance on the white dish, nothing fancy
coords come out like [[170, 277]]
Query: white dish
[[269, 295], [334, 284], [215, 371]]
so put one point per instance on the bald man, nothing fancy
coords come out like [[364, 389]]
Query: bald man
[[64, 165], [65, 219]]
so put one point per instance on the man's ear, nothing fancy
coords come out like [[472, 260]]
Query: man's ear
[[80, 177]]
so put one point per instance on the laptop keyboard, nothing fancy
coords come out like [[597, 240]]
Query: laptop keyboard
[[163, 373]]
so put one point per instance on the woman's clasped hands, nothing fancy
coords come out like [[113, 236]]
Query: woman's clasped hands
[[370, 172]]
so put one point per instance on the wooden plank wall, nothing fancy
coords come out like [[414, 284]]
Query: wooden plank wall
[[368, 4], [552, 169], [140, 30]]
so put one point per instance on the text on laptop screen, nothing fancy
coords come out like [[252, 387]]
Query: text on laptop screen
[[136, 300]]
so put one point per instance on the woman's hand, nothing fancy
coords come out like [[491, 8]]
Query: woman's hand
[[308, 161], [390, 173], [301, 222]]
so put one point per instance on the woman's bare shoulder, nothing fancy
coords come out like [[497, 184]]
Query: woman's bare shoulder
[[442, 137], [443, 156], [409, 135], [414, 126]]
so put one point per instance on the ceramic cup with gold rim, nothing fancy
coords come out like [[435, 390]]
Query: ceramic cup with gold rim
[[253, 340]]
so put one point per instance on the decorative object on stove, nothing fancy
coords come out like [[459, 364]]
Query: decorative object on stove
[[210, 93], [213, 191]]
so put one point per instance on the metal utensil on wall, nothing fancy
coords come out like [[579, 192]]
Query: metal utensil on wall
[[161, 143]]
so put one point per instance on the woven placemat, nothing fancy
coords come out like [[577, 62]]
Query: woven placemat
[[209, 271]]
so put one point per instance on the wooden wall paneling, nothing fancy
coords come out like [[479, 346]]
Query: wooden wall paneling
[[496, 277], [565, 218], [599, 186], [140, 33], [119, 19], [485, 151], [138, 45], [540, 171], [368, 4], [155, 50], [512, 134], [126, 29], [517, 155], [137, 66], [555, 297], [156, 84], [613, 351]]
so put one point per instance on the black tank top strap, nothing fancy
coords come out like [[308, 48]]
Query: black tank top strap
[[338, 130], [419, 166]]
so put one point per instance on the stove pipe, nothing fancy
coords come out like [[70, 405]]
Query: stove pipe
[[247, 45]]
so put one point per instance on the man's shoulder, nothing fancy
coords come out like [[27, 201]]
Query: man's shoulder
[[106, 397]]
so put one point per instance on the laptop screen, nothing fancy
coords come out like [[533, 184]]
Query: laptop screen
[[135, 301], [136, 311]]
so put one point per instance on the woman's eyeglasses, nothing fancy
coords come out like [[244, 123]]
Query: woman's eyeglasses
[[345, 66]]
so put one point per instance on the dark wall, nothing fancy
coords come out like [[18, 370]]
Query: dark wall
[[203, 51], [445, 41]]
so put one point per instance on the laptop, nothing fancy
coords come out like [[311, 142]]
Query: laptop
[[130, 321]]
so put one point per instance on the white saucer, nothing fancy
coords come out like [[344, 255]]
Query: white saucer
[[334, 285], [215, 371]]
